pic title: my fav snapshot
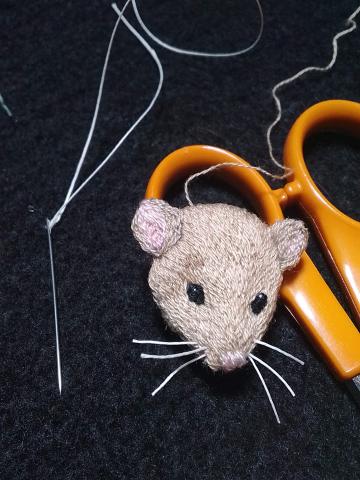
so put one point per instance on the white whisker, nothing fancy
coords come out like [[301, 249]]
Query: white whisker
[[272, 370], [277, 349], [266, 389], [173, 355], [158, 342], [172, 374]]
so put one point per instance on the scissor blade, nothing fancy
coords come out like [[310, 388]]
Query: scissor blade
[[354, 387]]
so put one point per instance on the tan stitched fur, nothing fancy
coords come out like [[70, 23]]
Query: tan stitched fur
[[234, 256]]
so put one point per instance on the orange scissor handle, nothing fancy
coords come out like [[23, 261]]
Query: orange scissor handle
[[339, 234], [304, 291]]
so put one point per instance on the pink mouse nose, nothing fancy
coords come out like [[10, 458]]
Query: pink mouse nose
[[232, 360]]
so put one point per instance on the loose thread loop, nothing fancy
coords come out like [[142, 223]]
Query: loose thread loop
[[226, 164], [196, 53], [72, 194], [57, 217]]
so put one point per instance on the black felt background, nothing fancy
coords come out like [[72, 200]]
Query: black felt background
[[106, 425]]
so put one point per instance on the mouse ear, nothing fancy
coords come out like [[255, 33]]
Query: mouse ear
[[156, 226], [290, 237]]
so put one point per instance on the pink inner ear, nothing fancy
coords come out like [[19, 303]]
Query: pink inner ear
[[152, 224]]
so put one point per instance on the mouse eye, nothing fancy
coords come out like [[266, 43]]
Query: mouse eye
[[195, 293], [259, 303]]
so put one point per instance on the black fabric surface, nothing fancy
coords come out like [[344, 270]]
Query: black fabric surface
[[106, 425]]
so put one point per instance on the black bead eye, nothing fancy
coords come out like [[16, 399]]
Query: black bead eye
[[195, 293], [259, 303]]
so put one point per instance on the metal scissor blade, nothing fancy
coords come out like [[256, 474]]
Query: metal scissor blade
[[354, 387]]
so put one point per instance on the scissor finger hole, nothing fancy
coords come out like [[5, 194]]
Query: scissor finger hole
[[333, 161]]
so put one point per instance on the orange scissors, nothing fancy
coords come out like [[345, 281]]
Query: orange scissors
[[304, 291]]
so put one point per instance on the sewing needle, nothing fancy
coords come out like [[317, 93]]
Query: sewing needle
[[58, 360]]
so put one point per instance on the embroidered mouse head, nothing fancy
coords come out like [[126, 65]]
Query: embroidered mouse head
[[216, 273]]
